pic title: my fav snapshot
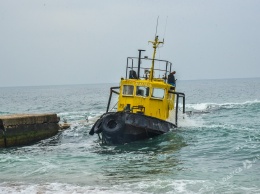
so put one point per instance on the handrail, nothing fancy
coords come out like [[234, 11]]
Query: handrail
[[165, 68], [147, 59], [182, 95], [110, 95]]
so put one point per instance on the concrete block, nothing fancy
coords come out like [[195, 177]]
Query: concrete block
[[22, 129]]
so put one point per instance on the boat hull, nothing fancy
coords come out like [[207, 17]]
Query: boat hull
[[125, 127]]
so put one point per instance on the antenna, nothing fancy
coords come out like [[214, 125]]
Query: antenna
[[156, 26], [165, 28]]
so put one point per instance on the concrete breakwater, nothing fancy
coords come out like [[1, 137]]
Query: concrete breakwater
[[22, 129]]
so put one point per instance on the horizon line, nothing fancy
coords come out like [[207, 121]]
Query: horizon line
[[68, 84]]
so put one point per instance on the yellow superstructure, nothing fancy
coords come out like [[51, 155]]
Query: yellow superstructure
[[149, 96]]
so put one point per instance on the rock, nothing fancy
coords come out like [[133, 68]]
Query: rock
[[64, 126]]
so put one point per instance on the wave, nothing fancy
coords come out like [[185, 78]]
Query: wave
[[217, 106], [181, 186], [146, 186], [185, 121], [80, 117], [201, 115]]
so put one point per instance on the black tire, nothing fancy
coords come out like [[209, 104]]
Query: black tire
[[112, 124], [98, 126]]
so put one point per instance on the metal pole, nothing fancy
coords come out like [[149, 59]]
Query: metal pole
[[176, 112], [139, 63], [126, 68], [166, 71], [183, 104], [109, 100], [110, 96]]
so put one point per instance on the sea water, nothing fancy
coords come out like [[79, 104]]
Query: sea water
[[216, 148]]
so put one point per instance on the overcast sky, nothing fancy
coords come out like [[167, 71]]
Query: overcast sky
[[54, 42]]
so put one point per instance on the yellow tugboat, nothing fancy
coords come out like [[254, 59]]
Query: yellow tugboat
[[144, 102]]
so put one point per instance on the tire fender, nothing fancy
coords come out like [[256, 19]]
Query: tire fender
[[112, 124], [98, 126]]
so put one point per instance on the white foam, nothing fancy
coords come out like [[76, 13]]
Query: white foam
[[80, 115], [57, 188], [201, 106], [144, 186], [184, 120], [211, 106]]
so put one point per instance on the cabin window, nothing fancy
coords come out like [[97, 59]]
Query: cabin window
[[128, 90], [142, 91], [158, 93]]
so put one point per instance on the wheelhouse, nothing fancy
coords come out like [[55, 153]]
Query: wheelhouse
[[144, 97], [146, 92]]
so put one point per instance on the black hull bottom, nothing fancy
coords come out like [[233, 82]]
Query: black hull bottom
[[125, 127]]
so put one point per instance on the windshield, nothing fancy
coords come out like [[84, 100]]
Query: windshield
[[142, 91], [128, 90], [158, 93]]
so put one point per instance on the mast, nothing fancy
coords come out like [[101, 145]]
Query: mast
[[155, 43]]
